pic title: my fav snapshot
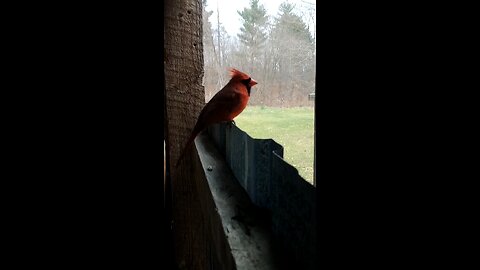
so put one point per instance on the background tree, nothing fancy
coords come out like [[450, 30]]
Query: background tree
[[253, 32], [217, 46], [279, 52], [253, 35], [293, 59], [210, 55]]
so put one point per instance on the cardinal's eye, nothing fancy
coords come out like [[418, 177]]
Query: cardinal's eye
[[247, 81]]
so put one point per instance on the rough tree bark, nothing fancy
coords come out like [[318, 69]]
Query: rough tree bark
[[185, 97]]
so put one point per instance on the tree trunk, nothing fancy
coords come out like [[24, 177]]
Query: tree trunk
[[185, 97]]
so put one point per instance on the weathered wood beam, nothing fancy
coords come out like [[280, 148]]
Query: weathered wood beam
[[275, 185], [240, 232], [185, 97]]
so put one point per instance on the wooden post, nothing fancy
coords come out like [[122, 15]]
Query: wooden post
[[185, 97], [315, 135]]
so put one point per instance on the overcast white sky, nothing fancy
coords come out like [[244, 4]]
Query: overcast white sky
[[230, 18]]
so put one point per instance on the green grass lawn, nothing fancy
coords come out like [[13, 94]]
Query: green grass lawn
[[290, 127]]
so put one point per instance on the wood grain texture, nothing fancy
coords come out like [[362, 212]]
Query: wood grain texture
[[185, 97]]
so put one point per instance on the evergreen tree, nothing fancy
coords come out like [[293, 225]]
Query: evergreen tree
[[253, 32]]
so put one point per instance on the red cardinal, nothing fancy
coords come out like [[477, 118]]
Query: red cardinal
[[224, 106]]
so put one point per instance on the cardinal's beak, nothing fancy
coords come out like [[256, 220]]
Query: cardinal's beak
[[252, 82]]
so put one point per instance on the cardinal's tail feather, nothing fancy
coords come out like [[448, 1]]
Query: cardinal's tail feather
[[187, 145]]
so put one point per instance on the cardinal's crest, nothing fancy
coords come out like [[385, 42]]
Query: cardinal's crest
[[238, 74]]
